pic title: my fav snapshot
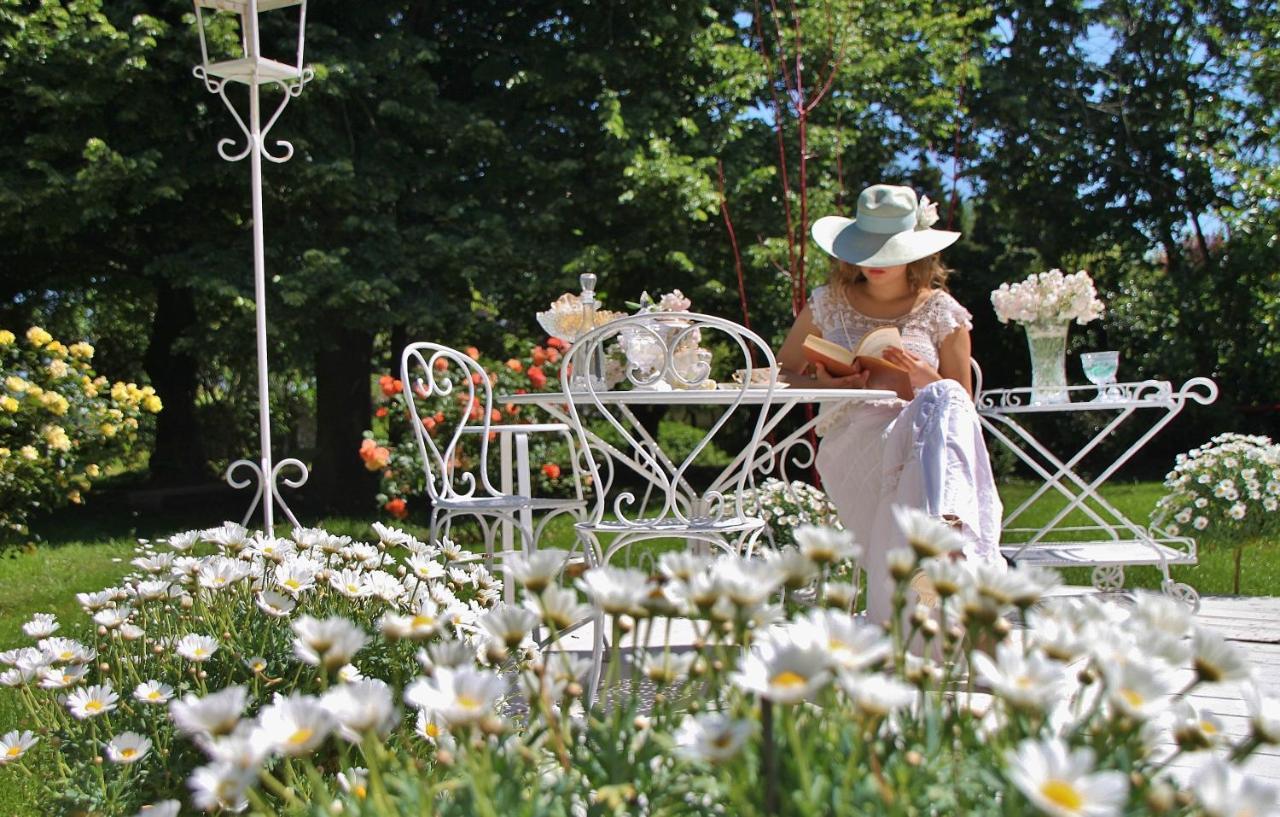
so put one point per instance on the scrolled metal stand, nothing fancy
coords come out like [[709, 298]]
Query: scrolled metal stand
[[265, 474]]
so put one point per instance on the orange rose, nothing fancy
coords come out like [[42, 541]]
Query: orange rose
[[472, 352], [380, 412], [429, 423], [537, 377], [539, 356], [375, 456], [553, 356], [515, 365], [555, 343], [397, 508], [551, 470], [512, 409], [495, 416], [441, 364]]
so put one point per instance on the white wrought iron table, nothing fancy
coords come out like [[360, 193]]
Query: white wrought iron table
[[1113, 541], [794, 446]]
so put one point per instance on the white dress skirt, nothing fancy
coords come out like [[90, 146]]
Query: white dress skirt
[[927, 454]]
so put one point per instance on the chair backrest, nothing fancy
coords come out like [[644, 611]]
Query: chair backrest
[[977, 380], [654, 351], [432, 373]]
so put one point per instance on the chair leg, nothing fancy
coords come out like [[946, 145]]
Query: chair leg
[[597, 662]]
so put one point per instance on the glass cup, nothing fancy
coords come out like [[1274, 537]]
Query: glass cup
[[1100, 370]]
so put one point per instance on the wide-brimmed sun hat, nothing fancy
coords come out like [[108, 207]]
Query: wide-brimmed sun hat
[[891, 228]]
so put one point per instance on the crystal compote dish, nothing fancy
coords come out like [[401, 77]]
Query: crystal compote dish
[[1100, 370]]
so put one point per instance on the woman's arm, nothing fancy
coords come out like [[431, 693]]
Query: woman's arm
[[792, 362], [953, 364]]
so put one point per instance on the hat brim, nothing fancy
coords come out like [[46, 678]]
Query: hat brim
[[842, 238]]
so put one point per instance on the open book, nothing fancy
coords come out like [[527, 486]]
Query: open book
[[869, 352]]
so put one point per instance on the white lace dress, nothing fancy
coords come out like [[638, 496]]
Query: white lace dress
[[927, 453]]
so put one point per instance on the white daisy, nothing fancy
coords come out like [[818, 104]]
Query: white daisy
[[851, 645], [163, 808], [425, 622], [90, 701], [458, 697], [183, 541], [826, 545], [292, 726], [1215, 659], [666, 668], [926, 535], [221, 786], [1225, 791], [615, 590], [557, 607], [62, 677], [508, 624], [875, 694], [274, 604], [128, 747], [327, 643], [196, 647], [1264, 713], [1024, 681], [1063, 784], [361, 708], [782, 670], [153, 692], [711, 737], [745, 583], [1137, 688], [41, 625], [15, 744], [536, 571], [297, 576], [213, 715]]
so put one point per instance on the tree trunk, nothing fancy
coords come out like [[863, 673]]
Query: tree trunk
[[178, 456], [339, 481]]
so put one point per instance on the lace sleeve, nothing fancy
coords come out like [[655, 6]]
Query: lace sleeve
[[948, 316], [820, 308]]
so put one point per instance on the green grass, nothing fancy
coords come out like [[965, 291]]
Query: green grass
[[91, 550]]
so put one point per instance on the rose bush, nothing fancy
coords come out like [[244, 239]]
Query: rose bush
[[320, 675], [60, 424]]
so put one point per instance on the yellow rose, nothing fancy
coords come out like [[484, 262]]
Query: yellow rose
[[37, 337], [55, 348], [16, 384], [81, 350], [34, 390], [58, 369], [56, 437], [115, 414], [131, 423], [119, 392], [4, 453], [29, 452], [152, 403], [92, 470], [107, 430], [75, 497], [8, 404], [6, 337], [56, 403], [90, 390]]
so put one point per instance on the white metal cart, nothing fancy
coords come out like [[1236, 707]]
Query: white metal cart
[[1113, 541]]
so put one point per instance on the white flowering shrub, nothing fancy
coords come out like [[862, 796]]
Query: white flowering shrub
[[318, 675], [60, 424], [786, 506], [1228, 488], [1048, 297]]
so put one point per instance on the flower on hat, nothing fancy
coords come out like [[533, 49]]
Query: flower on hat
[[926, 213]]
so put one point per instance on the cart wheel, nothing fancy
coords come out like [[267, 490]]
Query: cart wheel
[[1184, 593], [1108, 578]]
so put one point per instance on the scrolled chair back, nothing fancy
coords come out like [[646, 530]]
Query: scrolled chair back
[[641, 355], [429, 371]]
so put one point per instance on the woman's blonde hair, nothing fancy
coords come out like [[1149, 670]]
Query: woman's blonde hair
[[925, 272]]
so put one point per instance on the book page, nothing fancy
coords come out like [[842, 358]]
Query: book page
[[876, 341]]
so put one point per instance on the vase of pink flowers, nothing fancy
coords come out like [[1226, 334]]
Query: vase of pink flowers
[[1045, 304]]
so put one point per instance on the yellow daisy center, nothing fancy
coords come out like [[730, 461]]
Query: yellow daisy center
[[14, 751], [1062, 793], [360, 791], [1208, 728], [93, 706], [293, 584], [431, 730], [66, 655], [788, 679], [128, 753], [199, 652], [153, 695], [722, 741], [423, 621], [467, 702], [301, 736], [1132, 698]]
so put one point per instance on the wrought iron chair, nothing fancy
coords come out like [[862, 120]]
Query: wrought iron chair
[[431, 370]]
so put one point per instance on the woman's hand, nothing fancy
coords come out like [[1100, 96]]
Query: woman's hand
[[919, 373], [823, 379]]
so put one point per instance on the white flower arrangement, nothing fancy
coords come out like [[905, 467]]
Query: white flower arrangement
[[1230, 487], [564, 318], [1083, 716], [1049, 297], [786, 506]]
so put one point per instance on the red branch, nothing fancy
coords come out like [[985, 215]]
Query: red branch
[[733, 241]]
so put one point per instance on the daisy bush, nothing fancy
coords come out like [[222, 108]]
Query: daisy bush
[[389, 449], [60, 424], [786, 506], [1229, 488], [319, 675]]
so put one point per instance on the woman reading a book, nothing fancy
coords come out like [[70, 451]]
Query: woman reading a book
[[923, 449]]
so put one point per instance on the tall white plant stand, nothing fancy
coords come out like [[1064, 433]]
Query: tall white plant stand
[[251, 69]]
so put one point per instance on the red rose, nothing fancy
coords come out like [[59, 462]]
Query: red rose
[[551, 470], [396, 507], [381, 412], [537, 377]]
